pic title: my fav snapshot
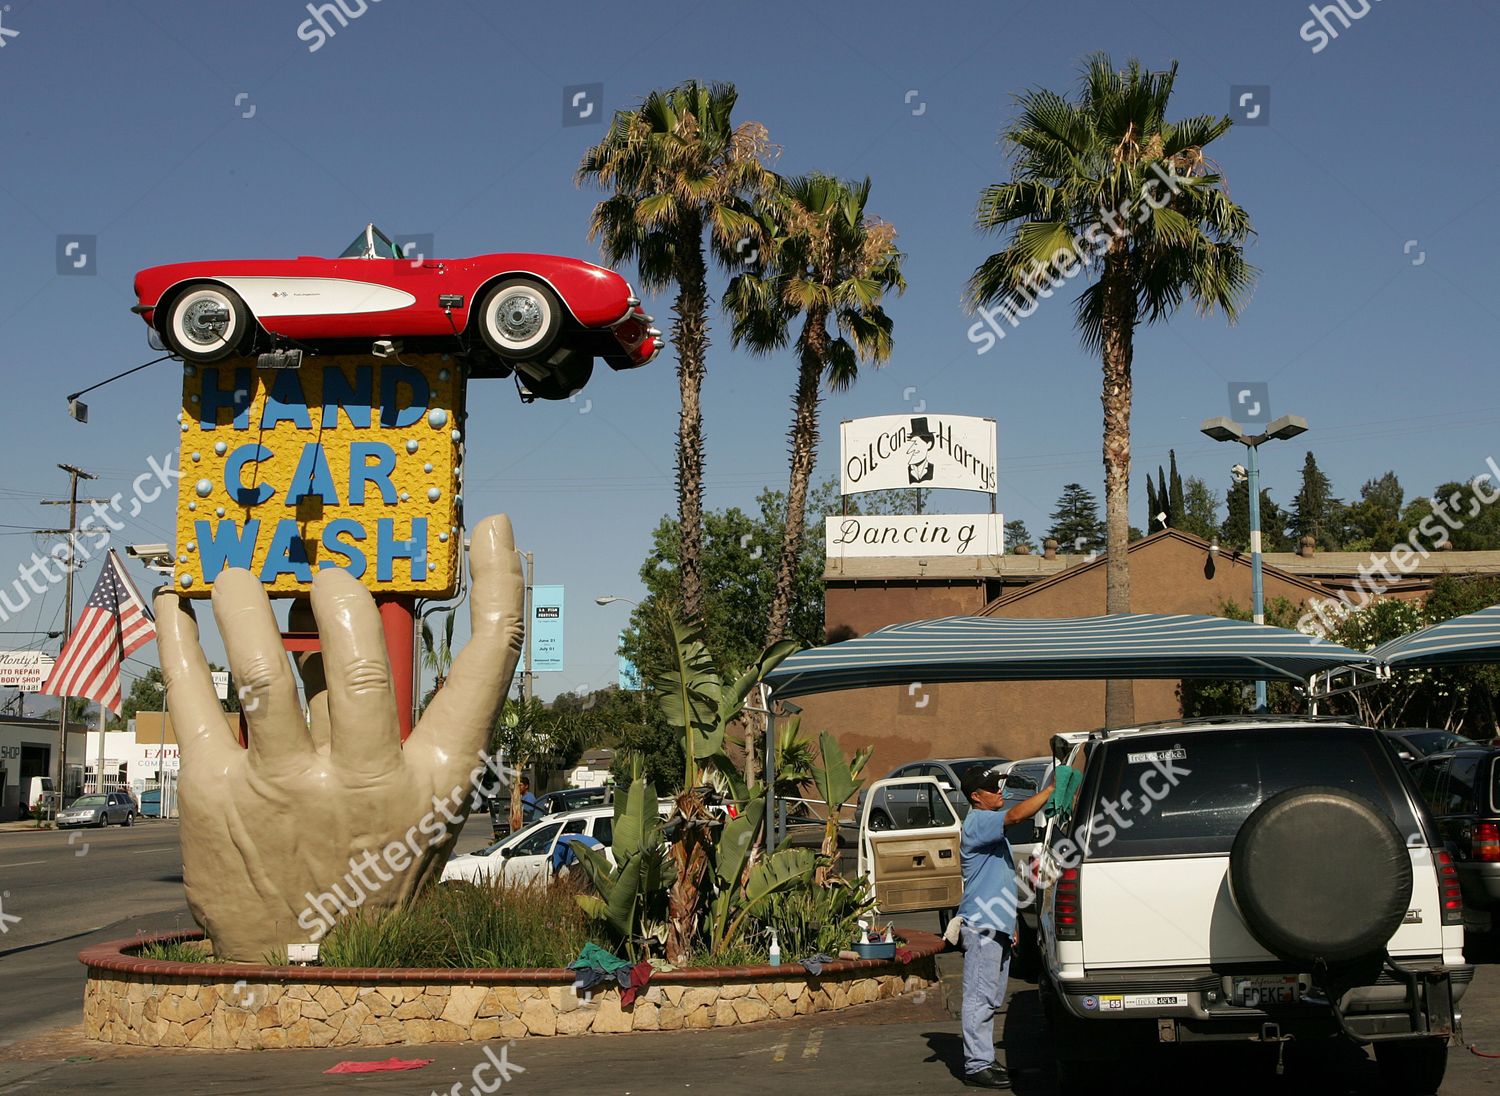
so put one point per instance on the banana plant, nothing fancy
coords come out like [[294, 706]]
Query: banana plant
[[629, 891], [837, 780], [743, 893], [701, 705]]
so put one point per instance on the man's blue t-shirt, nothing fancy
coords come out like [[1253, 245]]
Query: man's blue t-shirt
[[989, 900]]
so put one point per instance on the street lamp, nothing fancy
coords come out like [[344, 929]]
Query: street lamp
[[1225, 429], [610, 599]]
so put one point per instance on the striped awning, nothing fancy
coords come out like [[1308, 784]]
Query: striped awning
[[1122, 646], [1472, 638]]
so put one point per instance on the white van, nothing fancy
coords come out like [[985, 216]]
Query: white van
[[38, 790]]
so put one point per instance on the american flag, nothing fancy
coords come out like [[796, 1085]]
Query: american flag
[[114, 624]]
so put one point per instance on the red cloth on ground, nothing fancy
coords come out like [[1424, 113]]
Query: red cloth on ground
[[389, 1065], [640, 977], [904, 955]]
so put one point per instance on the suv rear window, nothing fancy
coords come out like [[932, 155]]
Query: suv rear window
[[1223, 776]]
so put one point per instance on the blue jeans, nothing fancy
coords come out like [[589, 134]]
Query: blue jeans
[[986, 971]]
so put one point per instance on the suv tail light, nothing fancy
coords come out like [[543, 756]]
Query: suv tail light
[[1486, 842], [1450, 895], [1068, 905]]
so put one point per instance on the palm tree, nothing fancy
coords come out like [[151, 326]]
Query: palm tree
[[1085, 195], [437, 655], [679, 166], [826, 261]]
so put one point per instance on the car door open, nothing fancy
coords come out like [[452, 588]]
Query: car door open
[[913, 865]]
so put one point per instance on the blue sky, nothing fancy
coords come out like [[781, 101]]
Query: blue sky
[[1369, 188]]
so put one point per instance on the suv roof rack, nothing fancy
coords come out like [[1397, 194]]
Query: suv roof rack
[[1218, 720]]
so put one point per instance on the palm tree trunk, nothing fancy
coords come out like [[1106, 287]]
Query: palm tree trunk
[[689, 852], [804, 438], [690, 338], [1119, 334]]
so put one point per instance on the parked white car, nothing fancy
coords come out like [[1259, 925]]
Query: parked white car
[[1253, 879], [526, 855]]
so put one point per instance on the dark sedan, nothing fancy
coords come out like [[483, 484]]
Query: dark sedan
[[1414, 742]]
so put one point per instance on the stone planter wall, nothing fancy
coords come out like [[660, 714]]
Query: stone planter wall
[[217, 1006]]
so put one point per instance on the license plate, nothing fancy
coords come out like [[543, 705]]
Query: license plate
[[1275, 989]]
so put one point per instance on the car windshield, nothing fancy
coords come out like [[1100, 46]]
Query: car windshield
[[89, 801], [1220, 777], [371, 244]]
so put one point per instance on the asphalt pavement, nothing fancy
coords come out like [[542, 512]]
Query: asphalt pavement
[[129, 880]]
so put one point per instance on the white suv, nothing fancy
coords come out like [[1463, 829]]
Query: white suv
[[1260, 879]]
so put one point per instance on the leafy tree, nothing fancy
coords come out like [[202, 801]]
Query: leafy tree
[[828, 262], [678, 167], [1164, 503], [1315, 512], [1478, 522], [1153, 504], [1375, 520], [1104, 155], [1018, 536], [147, 693], [1075, 523], [903, 500], [739, 569], [1200, 510]]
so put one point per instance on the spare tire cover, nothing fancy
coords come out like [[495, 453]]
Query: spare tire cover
[[1320, 876]]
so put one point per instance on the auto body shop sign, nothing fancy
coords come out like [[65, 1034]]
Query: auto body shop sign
[[898, 451], [348, 462], [25, 671]]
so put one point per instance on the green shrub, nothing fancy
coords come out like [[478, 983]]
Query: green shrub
[[824, 919], [464, 925]]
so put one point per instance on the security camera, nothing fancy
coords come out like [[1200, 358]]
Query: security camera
[[1239, 473]]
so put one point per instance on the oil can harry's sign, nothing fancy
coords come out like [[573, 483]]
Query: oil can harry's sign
[[893, 451], [346, 462]]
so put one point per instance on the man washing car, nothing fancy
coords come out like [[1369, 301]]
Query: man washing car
[[988, 913]]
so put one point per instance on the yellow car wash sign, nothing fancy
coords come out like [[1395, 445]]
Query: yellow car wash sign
[[347, 462]]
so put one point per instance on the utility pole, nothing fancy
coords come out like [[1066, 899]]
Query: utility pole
[[526, 634], [71, 502]]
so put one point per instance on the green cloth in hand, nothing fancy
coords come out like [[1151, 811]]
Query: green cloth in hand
[[1064, 786]]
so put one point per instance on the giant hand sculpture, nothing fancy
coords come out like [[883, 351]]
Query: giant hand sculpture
[[326, 812]]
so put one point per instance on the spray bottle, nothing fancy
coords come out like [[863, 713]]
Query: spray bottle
[[775, 950]]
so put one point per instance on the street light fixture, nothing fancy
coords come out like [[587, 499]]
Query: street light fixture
[[610, 599], [1222, 428]]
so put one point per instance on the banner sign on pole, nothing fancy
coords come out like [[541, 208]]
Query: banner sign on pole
[[546, 628], [914, 535], [899, 451]]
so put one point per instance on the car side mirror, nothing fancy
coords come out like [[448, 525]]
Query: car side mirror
[[947, 787], [508, 853]]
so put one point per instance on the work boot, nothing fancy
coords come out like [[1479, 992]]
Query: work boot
[[991, 1077]]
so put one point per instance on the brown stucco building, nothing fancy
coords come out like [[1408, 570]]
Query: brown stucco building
[[1170, 572]]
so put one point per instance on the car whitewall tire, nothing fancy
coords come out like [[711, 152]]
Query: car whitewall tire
[[195, 325], [520, 319]]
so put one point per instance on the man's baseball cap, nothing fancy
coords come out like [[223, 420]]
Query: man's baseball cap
[[977, 779]]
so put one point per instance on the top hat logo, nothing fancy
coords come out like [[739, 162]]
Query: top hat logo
[[919, 467]]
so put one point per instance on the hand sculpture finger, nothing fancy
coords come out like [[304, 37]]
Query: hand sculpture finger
[[314, 682], [361, 700], [458, 721], [252, 639], [198, 720]]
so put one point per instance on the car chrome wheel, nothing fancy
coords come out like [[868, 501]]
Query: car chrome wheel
[[520, 320], [206, 323]]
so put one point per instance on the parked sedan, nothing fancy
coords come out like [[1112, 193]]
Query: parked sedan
[[526, 856], [1460, 788], [98, 810], [571, 799]]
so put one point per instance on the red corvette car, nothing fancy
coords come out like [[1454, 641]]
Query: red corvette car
[[544, 317]]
